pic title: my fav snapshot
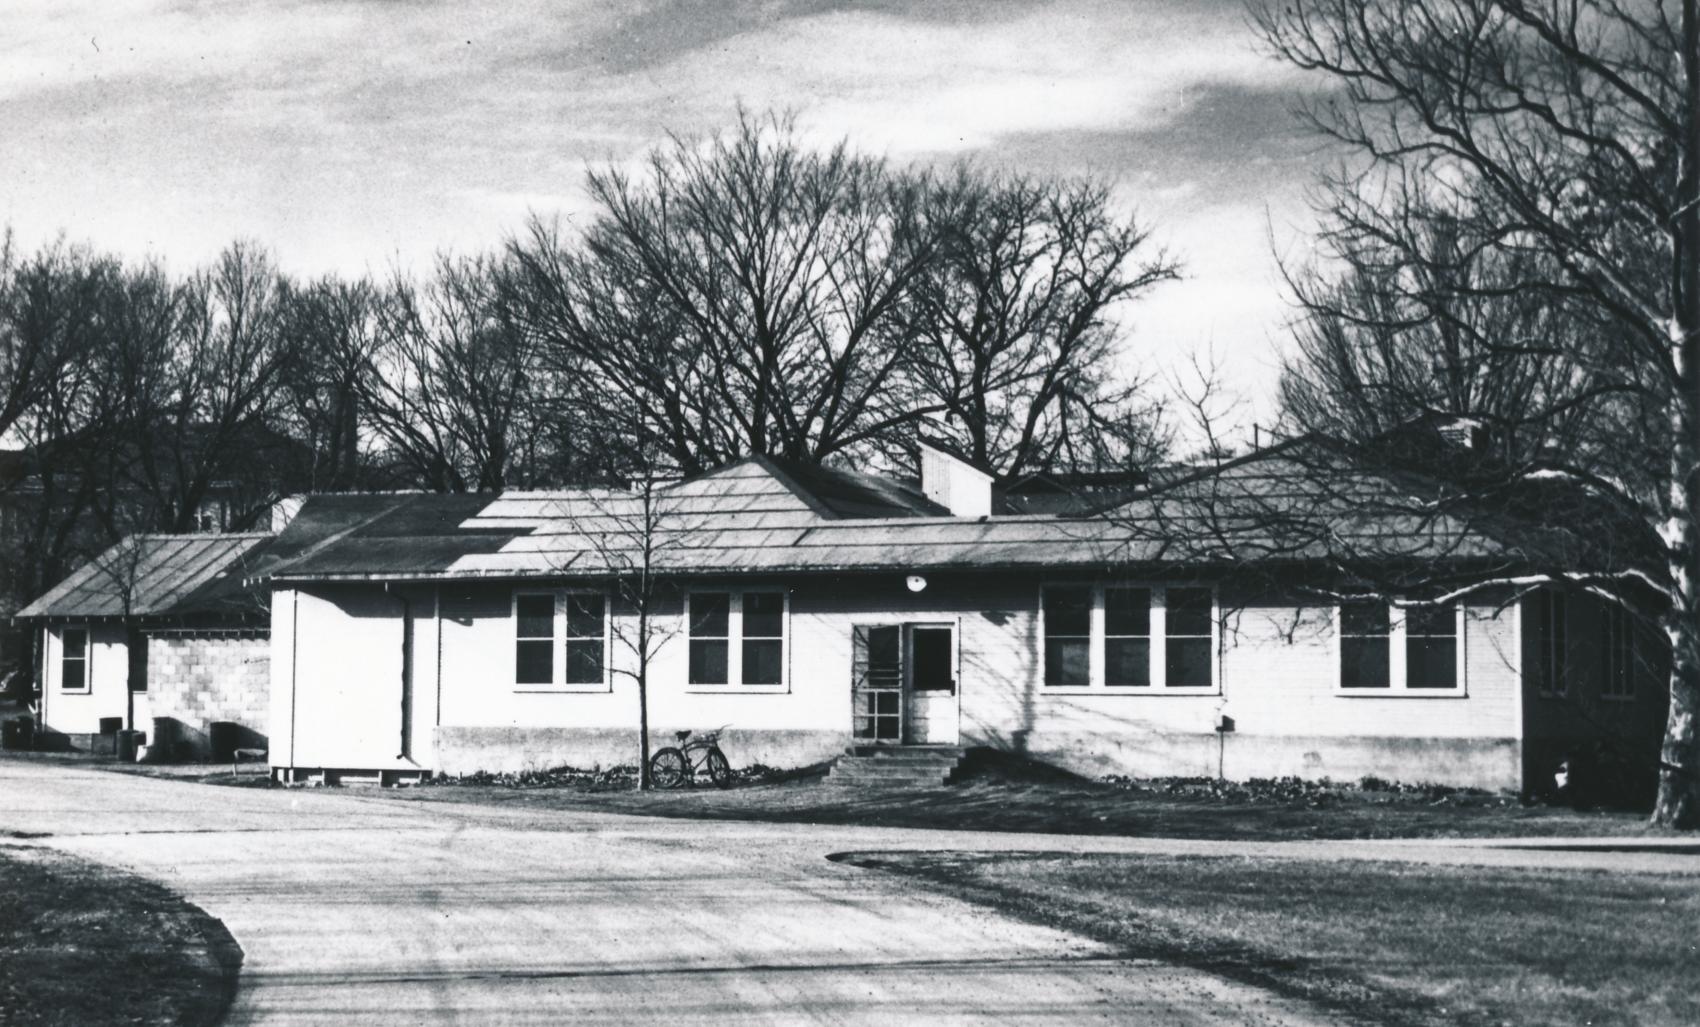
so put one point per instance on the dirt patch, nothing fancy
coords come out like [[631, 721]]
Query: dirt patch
[[84, 945]]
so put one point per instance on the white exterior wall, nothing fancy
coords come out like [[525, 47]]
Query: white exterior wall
[[336, 679], [80, 713], [337, 689]]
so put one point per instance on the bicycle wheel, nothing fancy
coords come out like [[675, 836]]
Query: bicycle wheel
[[719, 771], [669, 768]]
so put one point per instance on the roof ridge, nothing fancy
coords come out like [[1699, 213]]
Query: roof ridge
[[809, 499]]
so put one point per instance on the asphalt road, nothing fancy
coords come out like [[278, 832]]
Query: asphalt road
[[357, 909]]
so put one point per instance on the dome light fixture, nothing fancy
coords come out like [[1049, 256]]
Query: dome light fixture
[[916, 583]]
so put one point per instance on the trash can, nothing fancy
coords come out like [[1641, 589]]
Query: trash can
[[128, 744], [167, 740], [224, 737], [18, 734]]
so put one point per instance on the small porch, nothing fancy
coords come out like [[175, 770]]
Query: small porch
[[908, 705]]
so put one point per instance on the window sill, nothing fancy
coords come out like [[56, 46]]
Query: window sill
[[562, 689], [737, 689], [1133, 690], [1403, 693], [76, 691]]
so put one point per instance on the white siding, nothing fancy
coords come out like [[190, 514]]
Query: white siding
[[1278, 677], [80, 713]]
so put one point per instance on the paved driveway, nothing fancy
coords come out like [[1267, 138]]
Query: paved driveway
[[357, 909]]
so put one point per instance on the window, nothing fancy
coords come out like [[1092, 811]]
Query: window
[[1547, 615], [1365, 650], [764, 638], [534, 643], [1068, 636], [1619, 648], [1187, 641], [560, 638], [711, 627], [1431, 647], [586, 613], [1398, 650], [737, 638], [1126, 638], [74, 659]]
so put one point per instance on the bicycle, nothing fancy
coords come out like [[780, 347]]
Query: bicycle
[[675, 765]]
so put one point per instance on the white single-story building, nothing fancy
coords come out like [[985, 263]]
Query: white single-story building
[[161, 635], [811, 610]]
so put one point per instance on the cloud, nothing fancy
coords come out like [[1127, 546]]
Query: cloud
[[348, 133]]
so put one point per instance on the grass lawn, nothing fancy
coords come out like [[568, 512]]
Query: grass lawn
[[1000, 795], [82, 945], [1390, 943], [998, 799]]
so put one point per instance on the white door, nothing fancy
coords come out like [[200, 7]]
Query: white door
[[932, 687]]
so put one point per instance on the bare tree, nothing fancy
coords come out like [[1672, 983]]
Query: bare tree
[[633, 536], [52, 306], [451, 396], [48, 311], [332, 326], [188, 378], [1013, 321], [739, 294], [1523, 183], [119, 573]]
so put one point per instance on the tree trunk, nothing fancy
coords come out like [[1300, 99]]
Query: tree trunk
[[1679, 774], [136, 669], [1678, 803], [644, 782]]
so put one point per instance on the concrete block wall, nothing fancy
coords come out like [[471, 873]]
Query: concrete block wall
[[198, 679]]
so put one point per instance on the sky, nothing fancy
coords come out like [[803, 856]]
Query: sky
[[358, 135]]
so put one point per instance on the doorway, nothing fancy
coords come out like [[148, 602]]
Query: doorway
[[930, 685]]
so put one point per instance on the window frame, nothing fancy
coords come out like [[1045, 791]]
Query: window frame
[[733, 685], [1398, 684], [558, 643], [1156, 648], [86, 659], [1555, 681], [1617, 655], [1150, 637]]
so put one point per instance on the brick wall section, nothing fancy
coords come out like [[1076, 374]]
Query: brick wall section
[[197, 680]]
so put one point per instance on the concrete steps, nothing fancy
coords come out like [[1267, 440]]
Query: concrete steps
[[908, 766]]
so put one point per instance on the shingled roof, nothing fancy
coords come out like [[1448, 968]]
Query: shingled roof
[[760, 516], [165, 577]]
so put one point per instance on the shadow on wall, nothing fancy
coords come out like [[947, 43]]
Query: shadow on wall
[[178, 742], [49, 740]]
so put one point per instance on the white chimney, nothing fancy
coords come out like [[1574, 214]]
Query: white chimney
[[953, 484], [1463, 432]]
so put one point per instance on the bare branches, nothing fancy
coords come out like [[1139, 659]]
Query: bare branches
[[1516, 243], [451, 388], [1012, 322], [747, 294]]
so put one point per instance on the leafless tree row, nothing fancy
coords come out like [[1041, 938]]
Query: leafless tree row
[[745, 294], [1512, 241], [735, 295]]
